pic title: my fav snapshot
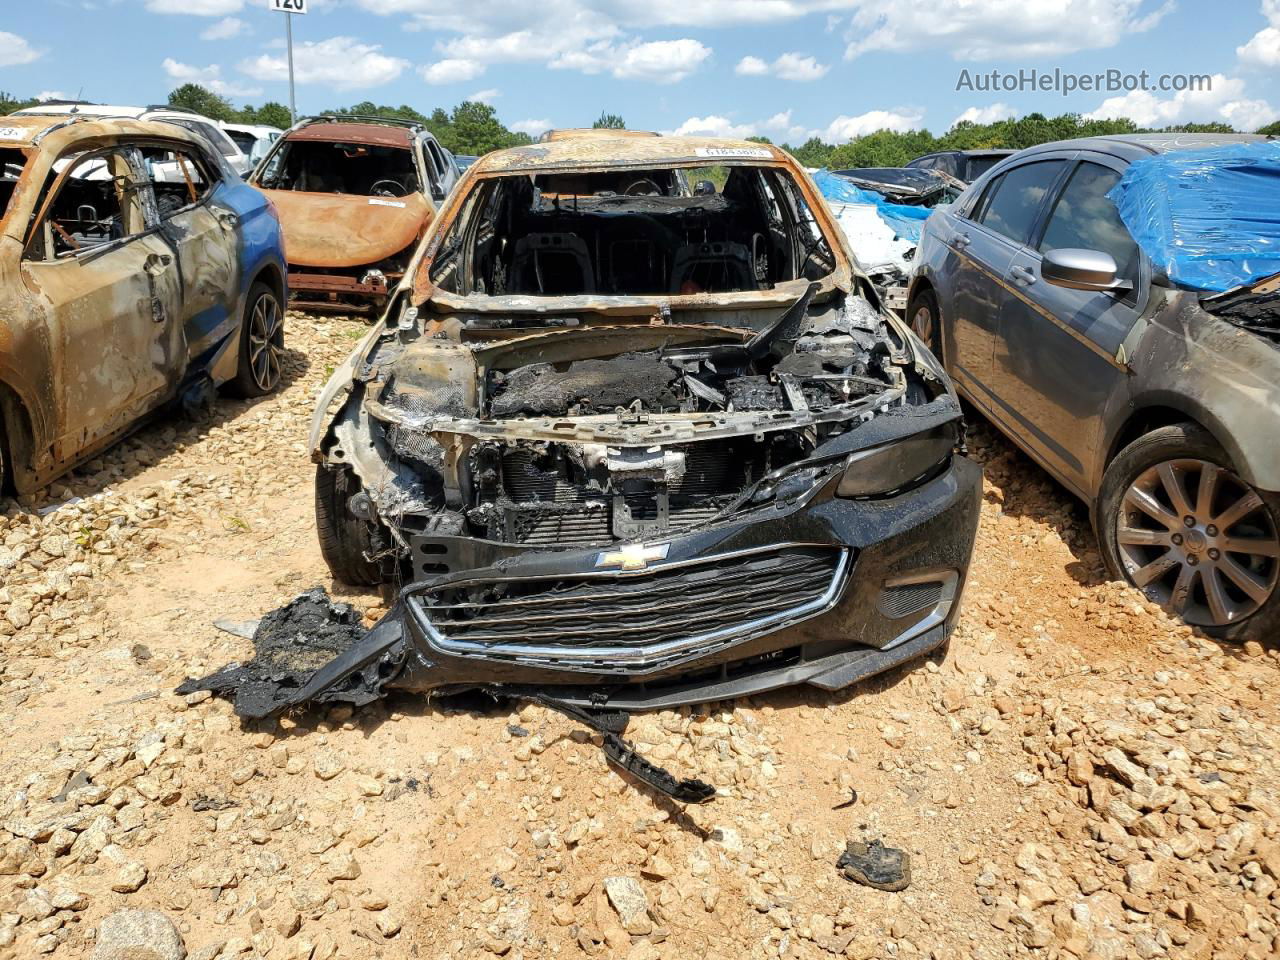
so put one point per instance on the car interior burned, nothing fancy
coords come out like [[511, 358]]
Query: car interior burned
[[322, 166], [11, 164], [635, 232]]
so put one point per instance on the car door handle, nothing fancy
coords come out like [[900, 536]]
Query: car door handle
[[962, 240], [228, 220], [157, 263], [1023, 275]]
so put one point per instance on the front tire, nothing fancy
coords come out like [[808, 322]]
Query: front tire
[[1176, 521], [346, 541], [261, 357], [926, 321]]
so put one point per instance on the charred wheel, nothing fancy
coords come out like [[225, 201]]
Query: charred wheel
[[355, 548], [1183, 527], [261, 343]]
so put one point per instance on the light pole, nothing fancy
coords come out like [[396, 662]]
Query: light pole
[[289, 8], [288, 34]]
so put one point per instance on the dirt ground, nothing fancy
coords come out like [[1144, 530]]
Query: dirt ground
[[1077, 777]]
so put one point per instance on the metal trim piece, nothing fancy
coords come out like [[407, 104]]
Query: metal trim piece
[[949, 579], [640, 657]]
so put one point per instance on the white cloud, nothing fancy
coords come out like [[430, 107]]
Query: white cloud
[[451, 70], [995, 29], [224, 29], [15, 50], [797, 67], [1263, 50], [661, 61], [780, 127], [44, 95], [485, 96], [843, 129], [198, 8], [209, 77], [713, 126], [1224, 102], [342, 63], [502, 16], [532, 127], [991, 114]]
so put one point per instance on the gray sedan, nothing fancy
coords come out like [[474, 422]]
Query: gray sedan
[[1156, 404]]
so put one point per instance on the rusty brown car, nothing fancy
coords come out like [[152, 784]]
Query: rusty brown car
[[136, 268], [355, 195]]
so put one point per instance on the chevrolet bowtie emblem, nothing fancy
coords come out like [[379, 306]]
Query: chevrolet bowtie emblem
[[634, 556]]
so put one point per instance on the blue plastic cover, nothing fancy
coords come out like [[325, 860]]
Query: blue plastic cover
[[903, 219], [1210, 218]]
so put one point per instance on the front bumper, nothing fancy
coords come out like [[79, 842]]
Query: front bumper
[[827, 592]]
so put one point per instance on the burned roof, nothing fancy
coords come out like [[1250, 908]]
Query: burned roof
[[597, 152], [374, 134], [24, 130]]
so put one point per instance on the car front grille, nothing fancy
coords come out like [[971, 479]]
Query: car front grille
[[621, 621]]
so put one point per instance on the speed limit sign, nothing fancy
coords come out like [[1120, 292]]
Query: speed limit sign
[[289, 6]]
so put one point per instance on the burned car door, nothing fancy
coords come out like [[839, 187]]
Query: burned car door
[[184, 184], [985, 245], [107, 284], [1056, 359]]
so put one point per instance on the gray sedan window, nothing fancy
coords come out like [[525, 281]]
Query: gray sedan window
[[1016, 198], [1085, 219]]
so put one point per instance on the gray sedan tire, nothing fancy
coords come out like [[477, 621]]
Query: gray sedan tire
[[926, 320], [1175, 520]]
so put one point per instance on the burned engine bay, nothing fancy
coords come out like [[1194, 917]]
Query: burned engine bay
[[568, 438]]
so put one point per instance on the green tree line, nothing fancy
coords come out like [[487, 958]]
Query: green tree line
[[474, 128]]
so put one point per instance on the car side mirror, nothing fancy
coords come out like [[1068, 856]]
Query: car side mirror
[[1083, 270], [704, 188]]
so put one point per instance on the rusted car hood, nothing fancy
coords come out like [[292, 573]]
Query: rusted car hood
[[335, 230]]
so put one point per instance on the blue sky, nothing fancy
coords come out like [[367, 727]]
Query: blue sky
[[782, 68]]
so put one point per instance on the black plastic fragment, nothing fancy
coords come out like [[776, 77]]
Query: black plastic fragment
[[875, 865], [610, 724], [311, 649]]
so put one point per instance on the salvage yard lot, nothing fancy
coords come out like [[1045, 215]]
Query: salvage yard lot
[[1078, 775]]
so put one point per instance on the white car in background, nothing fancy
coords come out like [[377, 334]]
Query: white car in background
[[200, 125], [253, 139]]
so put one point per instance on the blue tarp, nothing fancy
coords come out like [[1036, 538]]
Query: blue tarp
[[1209, 218], [904, 220]]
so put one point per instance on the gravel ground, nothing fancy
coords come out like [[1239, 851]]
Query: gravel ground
[[1078, 776]]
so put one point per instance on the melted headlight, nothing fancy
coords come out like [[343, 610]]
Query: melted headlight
[[899, 466]]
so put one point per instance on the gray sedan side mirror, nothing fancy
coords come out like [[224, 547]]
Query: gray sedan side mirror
[[1082, 270]]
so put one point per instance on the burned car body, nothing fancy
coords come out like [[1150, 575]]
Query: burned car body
[[906, 185], [136, 267], [355, 195], [641, 448]]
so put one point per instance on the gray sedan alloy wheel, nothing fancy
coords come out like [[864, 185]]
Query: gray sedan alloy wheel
[[1199, 541]]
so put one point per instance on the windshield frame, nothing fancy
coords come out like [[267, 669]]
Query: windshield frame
[[468, 189]]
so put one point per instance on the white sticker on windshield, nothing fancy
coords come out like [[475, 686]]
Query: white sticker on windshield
[[754, 153], [12, 133], [379, 202]]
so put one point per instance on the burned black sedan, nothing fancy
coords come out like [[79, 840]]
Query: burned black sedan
[[632, 444]]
